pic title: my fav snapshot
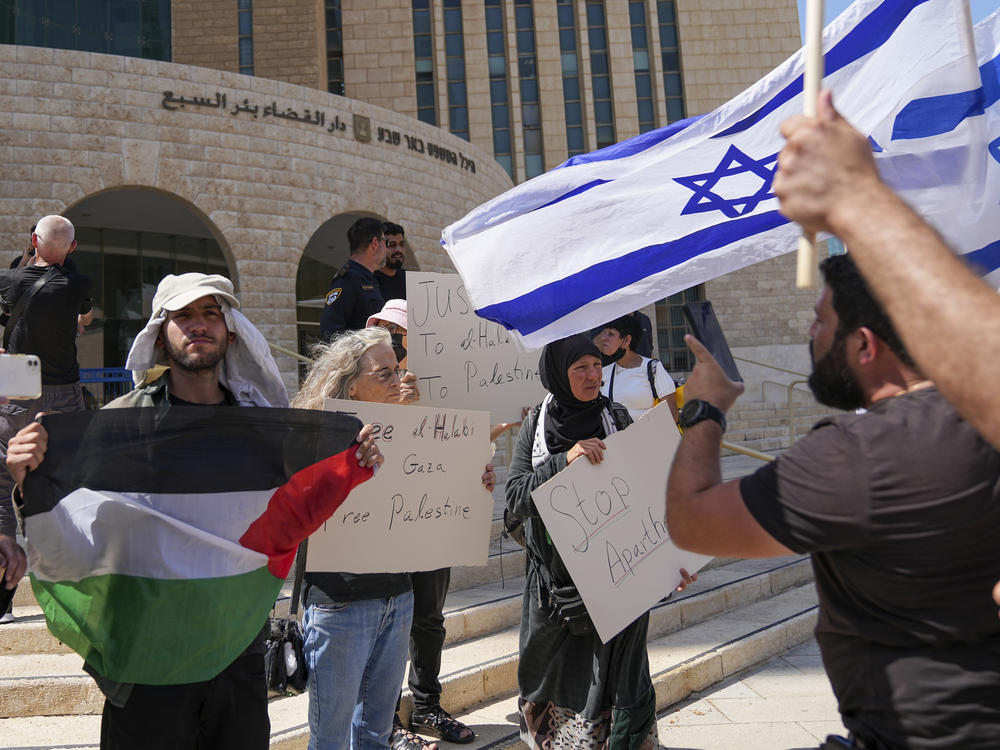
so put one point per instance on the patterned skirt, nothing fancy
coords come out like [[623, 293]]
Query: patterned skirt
[[550, 727]]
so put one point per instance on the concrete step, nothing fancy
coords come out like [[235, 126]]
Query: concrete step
[[476, 673], [478, 664], [689, 660]]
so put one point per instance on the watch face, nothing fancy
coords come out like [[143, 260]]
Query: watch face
[[690, 410]]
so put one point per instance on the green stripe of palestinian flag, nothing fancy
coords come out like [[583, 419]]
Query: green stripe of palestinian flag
[[151, 579], [142, 615]]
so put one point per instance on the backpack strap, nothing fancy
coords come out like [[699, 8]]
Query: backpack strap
[[611, 383], [651, 374], [22, 303]]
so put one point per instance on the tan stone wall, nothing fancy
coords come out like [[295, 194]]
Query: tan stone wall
[[760, 305], [378, 54], [724, 51], [550, 86], [204, 32], [728, 46], [286, 45], [74, 124]]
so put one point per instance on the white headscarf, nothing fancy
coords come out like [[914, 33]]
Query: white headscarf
[[248, 370]]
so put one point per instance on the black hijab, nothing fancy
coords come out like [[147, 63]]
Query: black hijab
[[568, 420]]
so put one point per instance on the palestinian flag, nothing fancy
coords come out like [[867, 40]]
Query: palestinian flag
[[158, 539]]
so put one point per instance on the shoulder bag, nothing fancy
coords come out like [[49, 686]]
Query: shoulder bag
[[285, 666]]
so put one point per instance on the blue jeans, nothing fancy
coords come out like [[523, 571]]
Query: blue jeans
[[356, 652]]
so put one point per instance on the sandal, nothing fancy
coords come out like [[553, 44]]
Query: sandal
[[438, 723], [402, 739]]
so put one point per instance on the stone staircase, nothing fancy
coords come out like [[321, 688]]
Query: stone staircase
[[763, 425], [738, 613]]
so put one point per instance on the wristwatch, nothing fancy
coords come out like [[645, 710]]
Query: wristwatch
[[696, 410]]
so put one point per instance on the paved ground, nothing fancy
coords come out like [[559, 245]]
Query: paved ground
[[784, 704]]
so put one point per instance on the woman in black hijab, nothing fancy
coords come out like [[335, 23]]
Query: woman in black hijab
[[574, 690]]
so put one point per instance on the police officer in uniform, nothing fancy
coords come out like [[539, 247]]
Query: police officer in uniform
[[354, 294]]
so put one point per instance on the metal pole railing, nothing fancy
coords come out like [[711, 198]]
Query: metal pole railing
[[771, 367], [767, 457], [290, 353]]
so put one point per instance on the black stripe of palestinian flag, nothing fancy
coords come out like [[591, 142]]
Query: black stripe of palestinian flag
[[158, 539]]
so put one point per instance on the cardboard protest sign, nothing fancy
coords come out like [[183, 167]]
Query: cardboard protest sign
[[427, 497], [607, 523], [461, 360]]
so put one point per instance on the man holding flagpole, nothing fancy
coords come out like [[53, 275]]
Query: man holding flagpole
[[828, 181], [213, 356], [898, 508]]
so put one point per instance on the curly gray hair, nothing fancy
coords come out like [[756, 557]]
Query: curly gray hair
[[337, 365]]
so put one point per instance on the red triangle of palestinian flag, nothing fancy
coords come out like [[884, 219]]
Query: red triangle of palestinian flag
[[158, 539]]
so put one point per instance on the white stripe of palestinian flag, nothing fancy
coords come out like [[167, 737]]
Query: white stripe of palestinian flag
[[105, 532]]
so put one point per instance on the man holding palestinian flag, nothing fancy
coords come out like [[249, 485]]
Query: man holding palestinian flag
[[158, 538]]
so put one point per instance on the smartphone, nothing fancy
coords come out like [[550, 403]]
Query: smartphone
[[705, 327], [20, 376]]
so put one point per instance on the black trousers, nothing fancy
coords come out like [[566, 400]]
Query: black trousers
[[427, 637], [229, 712]]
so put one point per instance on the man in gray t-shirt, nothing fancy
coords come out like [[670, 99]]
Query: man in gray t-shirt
[[899, 507]]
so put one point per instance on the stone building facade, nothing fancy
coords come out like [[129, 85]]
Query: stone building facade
[[522, 85], [157, 163]]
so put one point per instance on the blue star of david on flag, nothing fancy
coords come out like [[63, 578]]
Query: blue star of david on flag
[[733, 163]]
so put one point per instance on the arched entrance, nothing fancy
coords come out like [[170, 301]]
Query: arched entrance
[[323, 256], [127, 240]]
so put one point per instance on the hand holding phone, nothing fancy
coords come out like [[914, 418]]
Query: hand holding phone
[[705, 327]]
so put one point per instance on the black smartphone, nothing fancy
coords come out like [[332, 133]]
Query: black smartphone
[[705, 327], [6, 596]]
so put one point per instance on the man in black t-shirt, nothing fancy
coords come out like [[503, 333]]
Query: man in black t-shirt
[[899, 507], [391, 277], [46, 327]]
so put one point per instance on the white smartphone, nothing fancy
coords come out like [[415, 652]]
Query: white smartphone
[[20, 376]]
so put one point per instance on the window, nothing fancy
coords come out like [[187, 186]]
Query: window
[[244, 10], [423, 54], [496, 52], [125, 267], [671, 327], [454, 50], [570, 77], [134, 28], [640, 64], [531, 121], [334, 48], [673, 89], [600, 74]]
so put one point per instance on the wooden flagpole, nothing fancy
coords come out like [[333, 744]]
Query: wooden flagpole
[[805, 277]]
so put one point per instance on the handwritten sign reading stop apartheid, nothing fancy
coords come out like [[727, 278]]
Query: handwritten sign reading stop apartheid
[[427, 497], [607, 523], [463, 361]]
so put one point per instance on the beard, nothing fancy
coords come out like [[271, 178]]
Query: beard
[[394, 262], [195, 362], [832, 383]]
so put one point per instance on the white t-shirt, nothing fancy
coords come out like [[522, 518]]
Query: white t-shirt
[[632, 386]]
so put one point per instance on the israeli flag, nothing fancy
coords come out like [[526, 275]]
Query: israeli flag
[[616, 229]]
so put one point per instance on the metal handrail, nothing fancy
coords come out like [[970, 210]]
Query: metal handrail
[[771, 367], [290, 353], [767, 457], [791, 411]]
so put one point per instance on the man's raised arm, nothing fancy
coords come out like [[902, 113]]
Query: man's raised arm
[[948, 318]]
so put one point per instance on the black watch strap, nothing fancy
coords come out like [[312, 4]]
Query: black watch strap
[[697, 410]]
